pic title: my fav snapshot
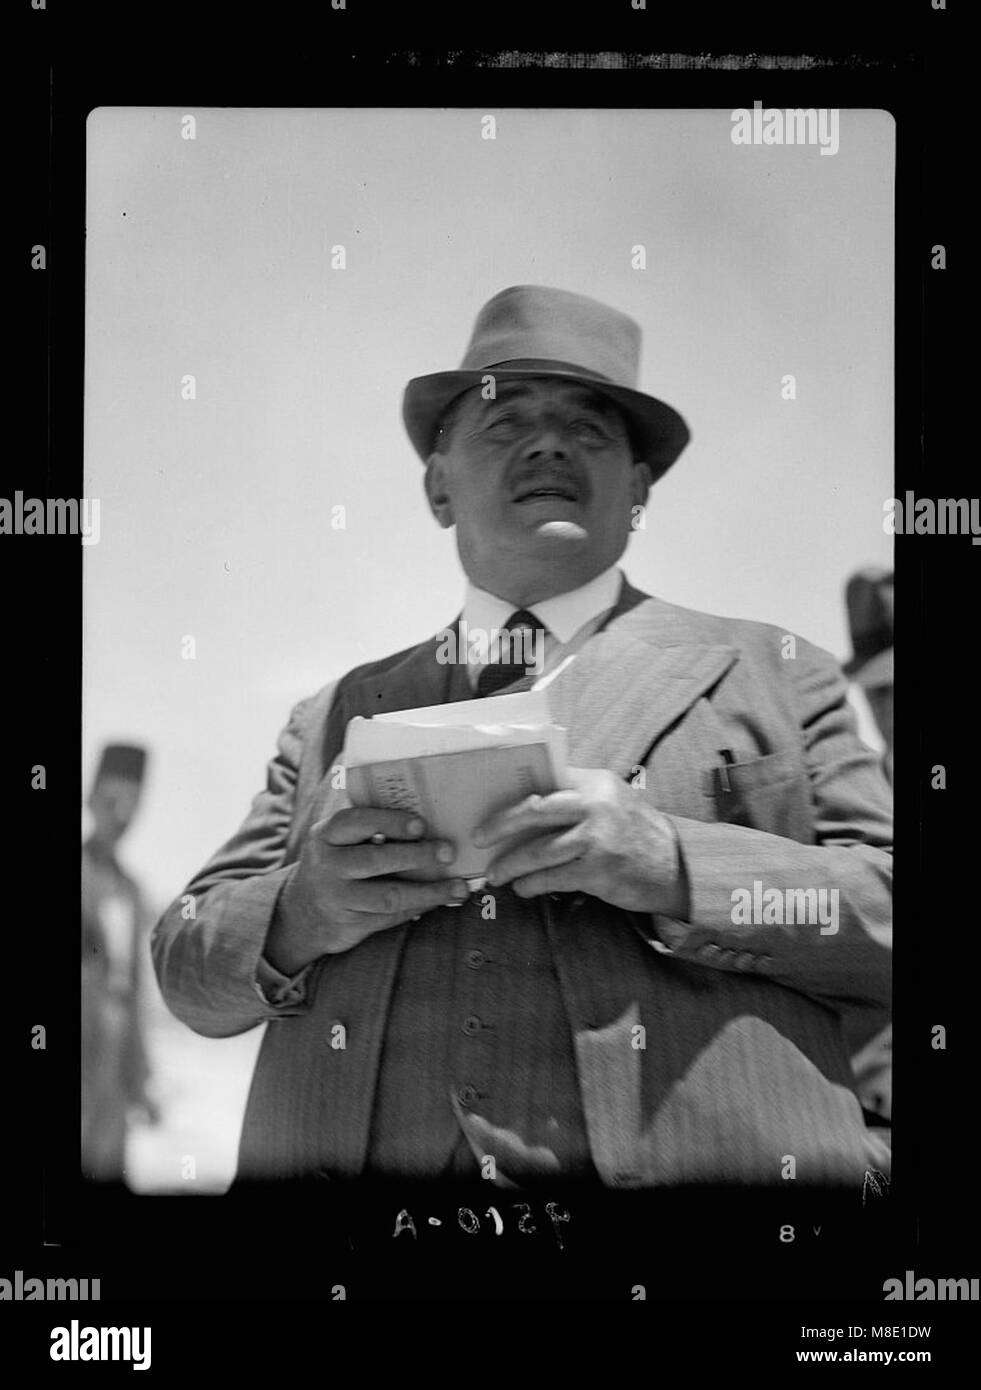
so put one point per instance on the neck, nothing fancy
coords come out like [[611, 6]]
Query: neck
[[101, 850], [525, 592]]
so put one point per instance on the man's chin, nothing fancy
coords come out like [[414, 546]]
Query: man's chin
[[562, 530]]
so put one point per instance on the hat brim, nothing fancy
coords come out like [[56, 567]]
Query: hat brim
[[659, 431]]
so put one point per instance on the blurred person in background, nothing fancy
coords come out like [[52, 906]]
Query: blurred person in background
[[869, 598], [115, 1071]]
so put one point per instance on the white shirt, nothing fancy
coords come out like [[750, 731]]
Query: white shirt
[[570, 619]]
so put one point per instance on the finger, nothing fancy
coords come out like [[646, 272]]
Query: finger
[[398, 897], [369, 925], [534, 812], [354, 825], [565, 879], [394, 857], [546, 852]]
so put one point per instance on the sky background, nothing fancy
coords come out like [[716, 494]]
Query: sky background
[[212, 257]]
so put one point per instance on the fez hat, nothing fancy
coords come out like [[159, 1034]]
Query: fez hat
[[534, 331], [869, 599], [122, 760]]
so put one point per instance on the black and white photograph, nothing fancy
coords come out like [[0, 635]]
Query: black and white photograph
[[592, 405], [496, 555]]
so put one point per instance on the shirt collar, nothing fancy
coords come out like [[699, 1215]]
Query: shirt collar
[[562, 615]]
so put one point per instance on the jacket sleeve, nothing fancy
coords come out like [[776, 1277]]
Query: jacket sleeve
[[207, 947], [844, 962]]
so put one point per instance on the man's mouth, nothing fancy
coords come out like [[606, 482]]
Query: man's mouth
[[551, 492]]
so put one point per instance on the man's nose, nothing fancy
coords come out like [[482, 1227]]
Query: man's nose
[[547, 442]]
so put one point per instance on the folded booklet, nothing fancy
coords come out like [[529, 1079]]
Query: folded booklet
[[456, 764]]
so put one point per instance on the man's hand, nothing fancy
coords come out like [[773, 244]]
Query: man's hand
[[601, 837], [344, 888]]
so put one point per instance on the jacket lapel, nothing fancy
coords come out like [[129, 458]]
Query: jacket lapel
[[630, 683], [417, 680]]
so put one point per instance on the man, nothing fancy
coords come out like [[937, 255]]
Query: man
[[869, 598], [615, 1021], [114, 1064]]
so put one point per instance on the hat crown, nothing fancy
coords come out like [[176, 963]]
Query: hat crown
[[530, 331], [869, 598], [122, 760], [535, 322]]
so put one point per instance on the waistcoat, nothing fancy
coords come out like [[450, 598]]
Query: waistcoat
[[476, 1025]]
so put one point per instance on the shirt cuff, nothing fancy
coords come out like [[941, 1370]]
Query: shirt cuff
[[279, 990], [663, 934], [671, 933]]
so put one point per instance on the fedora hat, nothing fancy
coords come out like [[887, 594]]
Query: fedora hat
[[122, 760], [869, 600], [534, 331]]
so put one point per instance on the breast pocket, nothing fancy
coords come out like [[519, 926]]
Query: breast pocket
[[770, 793]]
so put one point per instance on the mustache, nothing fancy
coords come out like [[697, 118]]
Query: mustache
[[568, 480]]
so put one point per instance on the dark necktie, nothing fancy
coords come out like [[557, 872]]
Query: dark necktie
[[498, 674]]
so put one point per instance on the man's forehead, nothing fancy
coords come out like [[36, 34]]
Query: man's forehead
[[546, 387]]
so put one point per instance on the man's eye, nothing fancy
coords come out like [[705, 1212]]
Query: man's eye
[[509, 422]]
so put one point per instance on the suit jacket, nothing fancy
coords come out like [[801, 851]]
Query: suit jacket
[[743, 735]]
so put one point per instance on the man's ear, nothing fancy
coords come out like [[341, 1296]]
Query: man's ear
[[641, 483], [436, 490]]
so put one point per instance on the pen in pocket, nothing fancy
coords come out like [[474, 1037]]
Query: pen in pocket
[[727, 762]]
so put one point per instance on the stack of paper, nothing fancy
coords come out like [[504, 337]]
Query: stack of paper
[[456, 764]]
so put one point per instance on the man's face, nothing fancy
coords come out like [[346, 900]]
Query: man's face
[[540, 484], [113, 804]]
